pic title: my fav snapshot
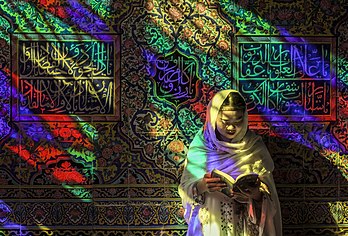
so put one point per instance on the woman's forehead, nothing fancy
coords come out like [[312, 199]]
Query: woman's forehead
[[231, 114]]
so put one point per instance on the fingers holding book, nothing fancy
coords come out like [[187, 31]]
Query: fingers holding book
[[210, 184]]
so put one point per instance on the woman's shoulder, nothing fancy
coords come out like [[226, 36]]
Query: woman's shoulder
[[261, 148], [202, 140], [252, 136]]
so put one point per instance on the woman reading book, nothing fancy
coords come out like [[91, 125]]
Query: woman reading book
[[227, 145]]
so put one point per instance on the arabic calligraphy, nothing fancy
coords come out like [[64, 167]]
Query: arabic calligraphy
[[69, 96], [73, 59], [287, 97], [66, 77], [175, 78], [284, 60], [287, 78]]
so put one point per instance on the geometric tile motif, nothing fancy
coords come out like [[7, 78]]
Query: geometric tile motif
[[110, 214], [75, 213], [146, 213], [39, 213]]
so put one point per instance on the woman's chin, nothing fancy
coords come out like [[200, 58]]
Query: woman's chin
[[229, 137]]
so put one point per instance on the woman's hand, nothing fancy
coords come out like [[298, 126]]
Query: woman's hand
[[210, 184]]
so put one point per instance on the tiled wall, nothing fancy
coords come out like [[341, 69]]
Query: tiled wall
[[101, 99]]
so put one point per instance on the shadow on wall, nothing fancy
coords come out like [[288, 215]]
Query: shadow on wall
[[309, 188]]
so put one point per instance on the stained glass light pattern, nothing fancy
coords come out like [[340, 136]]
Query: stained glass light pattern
[[241, 19]]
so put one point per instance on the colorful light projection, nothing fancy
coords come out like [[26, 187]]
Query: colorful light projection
[[58, 16], [189, 36], [241, 22], [79, 14], [303, 55], [292, 79], [50, 151], [311, 59], [53, 148], [310, 95], [45, 156], [316, 138], [187, 28], [84, 73], [84, 81], [52, 133]]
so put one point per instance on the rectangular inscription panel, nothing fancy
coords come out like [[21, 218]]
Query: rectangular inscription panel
[[66, 77], [287, 78]]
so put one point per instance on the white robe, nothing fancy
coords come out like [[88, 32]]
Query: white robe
[[220, 215]]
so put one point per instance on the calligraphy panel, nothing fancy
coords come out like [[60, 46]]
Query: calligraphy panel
[[288, 78], [175, 78], [56, 77]]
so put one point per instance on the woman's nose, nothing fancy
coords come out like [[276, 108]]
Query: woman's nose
[[230, 127]]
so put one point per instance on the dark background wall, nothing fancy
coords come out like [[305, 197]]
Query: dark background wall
[[100, 100]]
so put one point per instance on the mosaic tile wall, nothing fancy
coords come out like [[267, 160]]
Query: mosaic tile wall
[[101, 98]]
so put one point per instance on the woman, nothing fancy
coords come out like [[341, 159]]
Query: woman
[[226, 144]]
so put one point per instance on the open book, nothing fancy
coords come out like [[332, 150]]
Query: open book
[[242, 182]]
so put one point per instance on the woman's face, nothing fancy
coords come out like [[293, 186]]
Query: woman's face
[[229, 124]]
